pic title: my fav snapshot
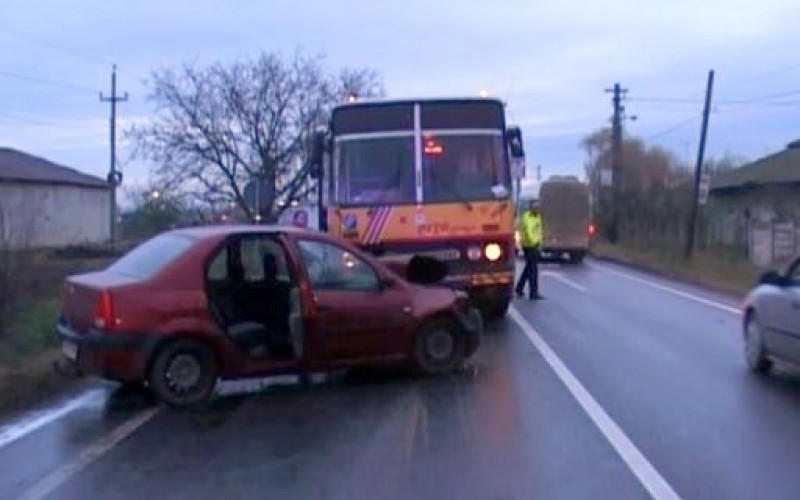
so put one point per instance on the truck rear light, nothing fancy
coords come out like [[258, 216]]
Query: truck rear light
[[104, 313]]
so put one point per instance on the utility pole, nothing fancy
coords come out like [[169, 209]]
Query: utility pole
[[698, 169], [114, 176], [616, 160]]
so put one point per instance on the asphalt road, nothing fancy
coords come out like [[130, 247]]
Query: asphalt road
[[617, 385]]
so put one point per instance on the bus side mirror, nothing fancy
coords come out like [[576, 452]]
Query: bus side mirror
[[316, 154], [514, 140]]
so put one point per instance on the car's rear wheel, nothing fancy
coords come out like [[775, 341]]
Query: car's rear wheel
[[439, 347], [754, 351], [184, 373]]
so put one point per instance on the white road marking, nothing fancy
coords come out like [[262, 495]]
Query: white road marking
[[673, 291], [61, 475], [27, 425], [560, 277], [644, 471]]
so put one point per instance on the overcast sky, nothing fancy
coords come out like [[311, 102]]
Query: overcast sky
[[551, 61]]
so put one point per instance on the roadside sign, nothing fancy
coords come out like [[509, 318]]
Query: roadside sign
[[703, 189]]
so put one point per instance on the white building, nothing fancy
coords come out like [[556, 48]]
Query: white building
[[43, 204]]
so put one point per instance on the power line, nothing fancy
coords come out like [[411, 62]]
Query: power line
[[40, 81], [52, 46], [34, 114], [665, 100], [760, 99], [59, 48], [673, 128], [759, 76], [24, 119]]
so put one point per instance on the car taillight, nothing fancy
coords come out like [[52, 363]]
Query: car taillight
[[592, 229], [104, 314]]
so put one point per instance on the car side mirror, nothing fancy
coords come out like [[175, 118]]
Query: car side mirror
[[514, 141], [773, 278]]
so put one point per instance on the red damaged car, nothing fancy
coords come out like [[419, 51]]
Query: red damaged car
[[191, 306]]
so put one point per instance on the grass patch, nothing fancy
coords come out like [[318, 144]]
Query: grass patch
[[32, 332], [715, 270], [27, 354], [29, 344]]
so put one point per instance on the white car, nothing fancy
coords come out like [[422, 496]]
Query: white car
[[772, 320]]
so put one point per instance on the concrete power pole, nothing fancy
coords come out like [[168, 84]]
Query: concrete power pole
[[698, 171], [114, 176], [616, 160]]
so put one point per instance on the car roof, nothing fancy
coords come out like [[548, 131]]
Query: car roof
[[221, 231]]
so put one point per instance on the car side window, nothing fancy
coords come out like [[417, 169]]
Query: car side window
[[250, 254], [331, 267], [218, 270]]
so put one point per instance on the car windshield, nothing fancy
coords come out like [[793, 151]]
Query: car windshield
[[149, 258], [376, 170], [463, 167]]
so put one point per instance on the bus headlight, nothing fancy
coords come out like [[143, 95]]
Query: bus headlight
[[474, 253], [493, 252]]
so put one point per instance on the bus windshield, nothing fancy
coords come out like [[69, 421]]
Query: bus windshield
[[460, 167], [376, 170]]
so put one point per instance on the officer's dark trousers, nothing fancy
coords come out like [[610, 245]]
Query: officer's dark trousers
[[530, 272]]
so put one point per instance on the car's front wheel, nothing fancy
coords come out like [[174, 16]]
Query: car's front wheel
[[183, 373], [754, 351], [439, 347]]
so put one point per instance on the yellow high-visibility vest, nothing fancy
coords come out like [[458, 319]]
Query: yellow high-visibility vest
[[530, 230]]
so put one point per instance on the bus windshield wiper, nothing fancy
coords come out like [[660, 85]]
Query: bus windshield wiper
[[451, 189]]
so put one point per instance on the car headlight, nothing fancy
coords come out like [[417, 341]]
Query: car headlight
[[474, 253], [493, 251]]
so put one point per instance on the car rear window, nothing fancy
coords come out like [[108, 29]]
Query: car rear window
[[149, 258]]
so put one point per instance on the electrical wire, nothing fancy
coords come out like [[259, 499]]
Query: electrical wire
[[52, 46], [673, 128], [40, 81]]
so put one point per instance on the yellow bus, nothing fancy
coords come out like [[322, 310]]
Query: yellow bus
[[427, 177]]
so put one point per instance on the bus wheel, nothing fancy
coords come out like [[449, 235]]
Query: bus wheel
[[497, 309]]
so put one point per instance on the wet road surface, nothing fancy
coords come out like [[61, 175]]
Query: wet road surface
[[617, 385]]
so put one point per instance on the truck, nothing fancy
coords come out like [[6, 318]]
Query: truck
[[566, 208], [428, 177]]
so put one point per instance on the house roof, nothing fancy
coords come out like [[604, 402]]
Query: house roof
[[17, 166], [782, 167]]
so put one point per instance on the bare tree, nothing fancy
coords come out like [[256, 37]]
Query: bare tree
[[220, 127]]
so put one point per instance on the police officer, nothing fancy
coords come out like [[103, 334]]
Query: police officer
[[531, 235]]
